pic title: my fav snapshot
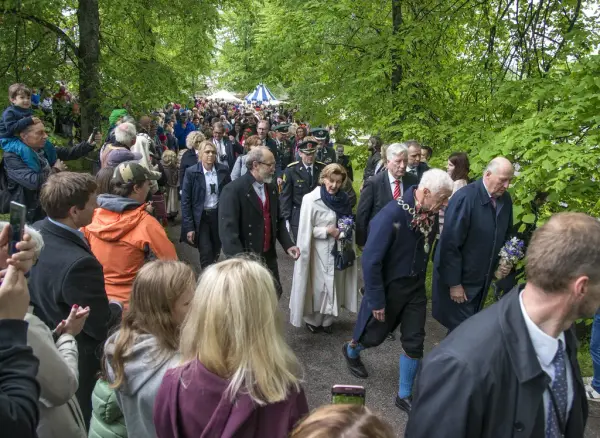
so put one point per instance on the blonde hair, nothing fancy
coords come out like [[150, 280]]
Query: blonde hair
[[157, 286], [203, 146], [194, 139], [332, 169], [234, 329], [252, 141], [342, 421], [169, 158]]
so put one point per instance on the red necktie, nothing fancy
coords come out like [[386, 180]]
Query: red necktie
[[397, 189]]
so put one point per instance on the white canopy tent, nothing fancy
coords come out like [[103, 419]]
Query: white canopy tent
[[224, 95]]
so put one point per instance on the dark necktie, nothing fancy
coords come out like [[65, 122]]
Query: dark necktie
[[310, 176], [493, 201], [557, 406]]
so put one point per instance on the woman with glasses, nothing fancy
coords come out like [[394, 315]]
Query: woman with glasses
[[201, 189]]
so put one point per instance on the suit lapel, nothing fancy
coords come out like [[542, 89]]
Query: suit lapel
[[385, 181], [251, 193]]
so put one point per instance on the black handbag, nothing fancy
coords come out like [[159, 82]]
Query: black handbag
[[344, 255]]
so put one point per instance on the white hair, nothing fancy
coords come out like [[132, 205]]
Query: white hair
[[494, 165], [36, 237], [436, 180], [396, 149], [125, 134]]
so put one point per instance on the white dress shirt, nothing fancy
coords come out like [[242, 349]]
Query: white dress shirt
[[393, 184], [259, 188], [211, 200], [220, 145], [545, 347]]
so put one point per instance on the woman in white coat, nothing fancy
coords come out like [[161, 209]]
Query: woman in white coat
[[318, 289]]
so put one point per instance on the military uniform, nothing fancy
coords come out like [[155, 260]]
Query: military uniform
[[297, 182], [325, 154], [285, 149]]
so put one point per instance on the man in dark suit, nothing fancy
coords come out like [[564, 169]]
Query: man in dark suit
[[68, 274], [227, 151], [394, 265], [300, 178], [249, 212], [262, 130], [477, 224], [380, 189], [374, 146], [415, 166], [512, 369]]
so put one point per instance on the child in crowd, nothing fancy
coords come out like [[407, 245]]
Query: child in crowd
[[146, 345], [169, 162], [19, 114]]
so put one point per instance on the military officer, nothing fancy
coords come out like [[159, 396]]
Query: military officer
[[284, 148], [325, 153], [299, 178]]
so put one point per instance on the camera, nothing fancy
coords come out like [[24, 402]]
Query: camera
[[223, 158]]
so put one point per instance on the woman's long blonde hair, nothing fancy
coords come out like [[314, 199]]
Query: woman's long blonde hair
[[156, 288], [234, 329]]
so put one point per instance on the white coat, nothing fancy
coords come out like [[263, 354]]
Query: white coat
[[317, 286]]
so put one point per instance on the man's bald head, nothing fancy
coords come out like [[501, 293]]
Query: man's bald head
[[497, 176]]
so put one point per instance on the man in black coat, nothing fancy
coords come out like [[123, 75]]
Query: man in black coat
[[379, 190], [68, 274], [512, 369], [246, 208], [374, 146], [262, 130], [477, 224], [227, 151], [415, 166], [300, 178]]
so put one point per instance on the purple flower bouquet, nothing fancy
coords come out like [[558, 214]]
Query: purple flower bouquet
[[510, 254]]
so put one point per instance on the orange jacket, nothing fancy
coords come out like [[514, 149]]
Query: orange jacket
[[123, 236]]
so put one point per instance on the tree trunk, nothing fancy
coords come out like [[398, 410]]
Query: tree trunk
[[396, 65], [88, 17]]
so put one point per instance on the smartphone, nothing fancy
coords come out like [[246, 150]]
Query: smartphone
[[348, 395], [17, 225]]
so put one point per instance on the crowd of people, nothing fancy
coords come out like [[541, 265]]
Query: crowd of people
[[105, 333]]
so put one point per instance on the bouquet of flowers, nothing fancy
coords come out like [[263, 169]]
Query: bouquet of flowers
[[346, 226], [510, 254]]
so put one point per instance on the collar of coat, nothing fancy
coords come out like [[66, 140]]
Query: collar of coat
[[516, 339]]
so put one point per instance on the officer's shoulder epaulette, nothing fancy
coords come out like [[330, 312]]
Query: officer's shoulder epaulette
[[321, 163], [293, 164]]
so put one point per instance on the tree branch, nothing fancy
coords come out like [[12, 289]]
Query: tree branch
[[50, 26]]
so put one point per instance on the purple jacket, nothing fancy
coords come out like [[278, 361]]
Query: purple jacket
[[191, 403]]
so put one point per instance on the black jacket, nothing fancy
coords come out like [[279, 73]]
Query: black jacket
[[295, 186], [193, 194], [376, 194], [232, 150], [420, 170], [241, 224], [67, 273], [19, 389], [371, 164], [188, 159], [485, 381]]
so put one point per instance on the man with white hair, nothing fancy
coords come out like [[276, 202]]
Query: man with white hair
[[125, 136], [382, 188], [394, 263], [477, 224]]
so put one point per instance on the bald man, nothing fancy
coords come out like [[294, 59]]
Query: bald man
[[477, 223]]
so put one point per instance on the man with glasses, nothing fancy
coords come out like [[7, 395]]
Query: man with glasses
[[227, 152], [249, 214]]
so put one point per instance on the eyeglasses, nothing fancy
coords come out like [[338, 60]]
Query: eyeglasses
[[267, 164]]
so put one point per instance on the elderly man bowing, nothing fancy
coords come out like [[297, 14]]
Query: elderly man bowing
[[394, 265], [249, 215], [477, 223]]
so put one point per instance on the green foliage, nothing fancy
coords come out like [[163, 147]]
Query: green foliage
[[488, 78]]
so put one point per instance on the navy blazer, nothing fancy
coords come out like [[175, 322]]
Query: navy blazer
[[468, 250], [393, 250], [193, 193]]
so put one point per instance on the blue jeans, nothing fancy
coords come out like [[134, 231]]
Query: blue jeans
[[595, 351]]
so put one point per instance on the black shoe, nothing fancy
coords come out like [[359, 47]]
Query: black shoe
[[312, 328], [328, 329], [356, 367], [391, 337], [404, 404]]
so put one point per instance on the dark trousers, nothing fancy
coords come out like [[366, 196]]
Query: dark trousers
[[209, 244], [405, 306], [269, 258]]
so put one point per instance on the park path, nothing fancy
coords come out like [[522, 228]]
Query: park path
[[324, 365]]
